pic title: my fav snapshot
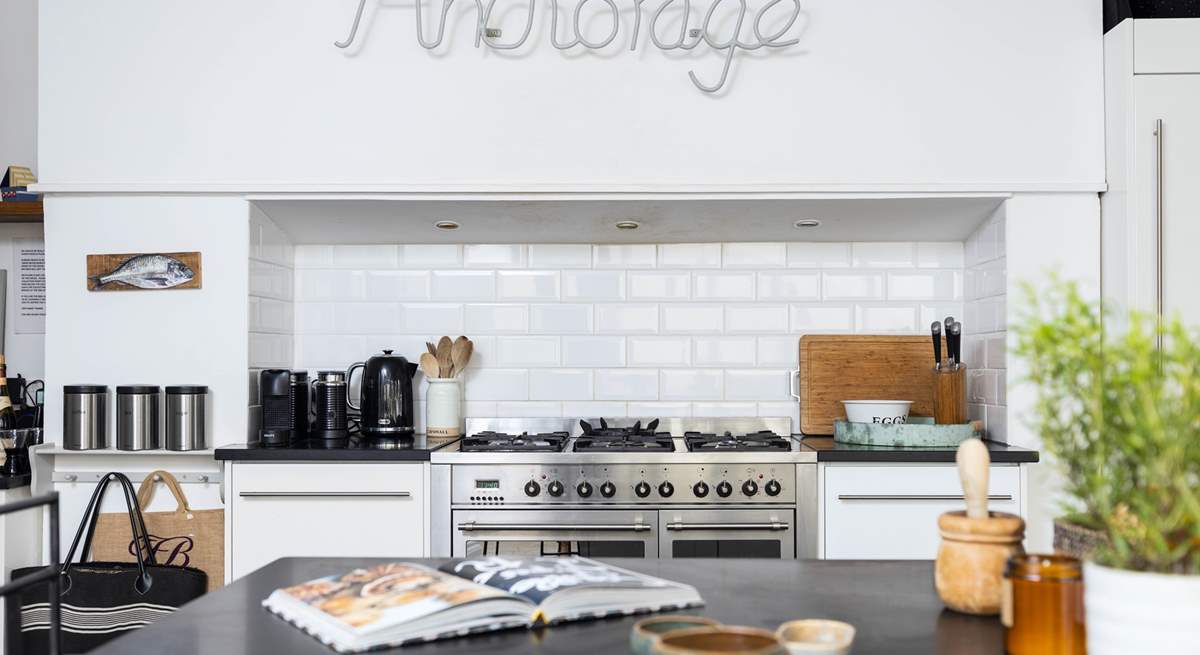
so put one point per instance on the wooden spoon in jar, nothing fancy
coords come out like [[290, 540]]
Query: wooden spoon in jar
[[444, 346], [460, 354], [429, 365]]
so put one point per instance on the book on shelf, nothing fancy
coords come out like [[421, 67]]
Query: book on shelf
[[18, 194], [402, 603]]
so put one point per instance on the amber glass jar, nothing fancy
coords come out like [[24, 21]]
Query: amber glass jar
[[1043, 606]]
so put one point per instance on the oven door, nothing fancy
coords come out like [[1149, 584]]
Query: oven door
[[530, 533], [762, 533]]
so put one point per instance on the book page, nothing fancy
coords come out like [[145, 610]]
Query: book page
[[538, 578]]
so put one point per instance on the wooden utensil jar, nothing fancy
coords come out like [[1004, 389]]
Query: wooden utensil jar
[[950, 395]]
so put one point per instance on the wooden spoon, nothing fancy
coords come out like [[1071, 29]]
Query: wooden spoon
[[973, 461], [444, 346], [429, 365], [460, 354], [431, 348]]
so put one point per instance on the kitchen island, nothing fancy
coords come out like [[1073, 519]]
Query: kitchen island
[[892, 605]]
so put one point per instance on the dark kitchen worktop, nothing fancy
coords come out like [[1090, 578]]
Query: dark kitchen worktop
[[355, 449], [14, 481], [891, 604], [829, 450]]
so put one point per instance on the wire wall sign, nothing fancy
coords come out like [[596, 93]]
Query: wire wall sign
[[687, 38]]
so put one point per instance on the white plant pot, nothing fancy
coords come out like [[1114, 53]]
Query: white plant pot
[[1133, 612]]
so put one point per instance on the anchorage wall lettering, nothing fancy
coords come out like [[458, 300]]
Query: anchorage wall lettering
[[688, 37]]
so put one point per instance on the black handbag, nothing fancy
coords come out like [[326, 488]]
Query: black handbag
[[100, 600]]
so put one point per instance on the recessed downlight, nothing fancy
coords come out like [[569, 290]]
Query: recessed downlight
[[807, 222], [628, 225], [446, 225]]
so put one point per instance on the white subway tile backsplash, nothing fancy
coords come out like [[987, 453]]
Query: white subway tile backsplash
[[270, 280], [691, 384], [314, 317], [789, 409], [593, 285], [593, 352], [936, 311], [658, 286], [756, 318], [885, 318], [659, 351], [496, 384], [626, 384], [996, 356], [879, 254], [497, 319], [757, 384], [724, 286], [626, 319], [560, 255], [560, 384], [431, 318], [710, 408], [397, 285], [724, 351], [527, 285], [754, 255], [270, 315], [593, 408], [818, 255], [430, 256], [493, 256], [329, 285], [852, 285], [789, 286], [270, 350], [689, 255], [660, 409], [940, 254], [925, 285], [328, 350], [778, 351], [513, 351], [692, 318], [480, 409], [372, 256], [822, 317], [464, 285], [367, 318], [528, 409], [560, 319], [313, 256], [624, 256]]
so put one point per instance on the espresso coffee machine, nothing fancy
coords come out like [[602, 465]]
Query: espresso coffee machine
[[386, 396]]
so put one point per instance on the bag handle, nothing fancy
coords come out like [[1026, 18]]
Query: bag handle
[[146, 489], [137, 526]]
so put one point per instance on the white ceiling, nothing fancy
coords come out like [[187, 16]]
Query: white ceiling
[[380, 220]]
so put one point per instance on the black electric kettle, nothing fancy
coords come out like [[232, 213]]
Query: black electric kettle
[[386, 394]]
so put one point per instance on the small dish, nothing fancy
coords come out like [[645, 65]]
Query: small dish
[[816, 637], [877, 411], [718, 640], [646, 633]]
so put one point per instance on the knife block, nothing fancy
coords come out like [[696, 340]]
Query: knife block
[[950, 396]]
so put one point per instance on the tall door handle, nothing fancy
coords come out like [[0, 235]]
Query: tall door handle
[[324, 494], [916, 497], [1159, 306]]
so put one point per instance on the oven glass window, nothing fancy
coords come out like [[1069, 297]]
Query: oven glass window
[[765, 548], [548, 548]]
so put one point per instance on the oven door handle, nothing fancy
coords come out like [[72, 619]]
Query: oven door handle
[[773, 525], [472, 526]]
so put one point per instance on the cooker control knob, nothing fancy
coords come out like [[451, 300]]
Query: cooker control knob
[[749, 487], [555, 488], [641, 489], [532, 488], [666, 489], [772, 488], [608, 489], [724, 489], [584, 490], [700, 489]]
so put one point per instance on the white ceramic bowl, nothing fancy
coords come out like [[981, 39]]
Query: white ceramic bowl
[[877, 411], [816, 637]]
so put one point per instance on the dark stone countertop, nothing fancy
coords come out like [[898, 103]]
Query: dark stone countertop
[[354, 449], [829, 450], [891, 604], [15, 481]]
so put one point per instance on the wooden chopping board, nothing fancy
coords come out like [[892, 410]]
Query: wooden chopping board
[[837, 367]]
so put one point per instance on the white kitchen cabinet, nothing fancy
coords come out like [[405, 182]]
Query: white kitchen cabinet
[[351, 509], [877, 511]]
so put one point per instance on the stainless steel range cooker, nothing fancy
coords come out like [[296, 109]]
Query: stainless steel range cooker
[[685, 487]]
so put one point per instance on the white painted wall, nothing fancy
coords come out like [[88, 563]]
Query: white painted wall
[[155, 337], [18, 83], [878, 93]]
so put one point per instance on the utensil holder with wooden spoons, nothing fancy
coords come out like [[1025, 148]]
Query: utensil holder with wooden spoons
[[950, 395]]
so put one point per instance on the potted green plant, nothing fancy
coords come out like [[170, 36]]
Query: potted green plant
[[1118, 411]]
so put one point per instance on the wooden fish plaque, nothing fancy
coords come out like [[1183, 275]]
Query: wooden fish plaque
[[143, 271]]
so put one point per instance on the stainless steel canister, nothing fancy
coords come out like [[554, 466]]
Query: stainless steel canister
[[85, 417], [185, 417], [137, 417]]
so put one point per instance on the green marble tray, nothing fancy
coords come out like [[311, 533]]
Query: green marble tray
[[919, 431]]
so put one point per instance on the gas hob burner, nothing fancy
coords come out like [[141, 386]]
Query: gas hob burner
[[763, 440], [619, 440], [502, 442]]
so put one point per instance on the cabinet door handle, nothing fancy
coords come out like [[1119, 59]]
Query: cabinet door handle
[[471, 526], [773, 525], [324, 494], [916, 497], [1158, 229]]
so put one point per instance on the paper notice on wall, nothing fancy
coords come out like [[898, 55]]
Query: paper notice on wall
[[29, 304]]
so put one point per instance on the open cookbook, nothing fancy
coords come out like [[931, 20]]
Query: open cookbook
[[401, 603]]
